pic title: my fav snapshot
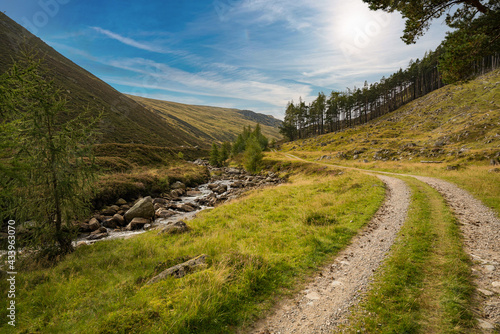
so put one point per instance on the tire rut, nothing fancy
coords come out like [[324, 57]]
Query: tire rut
[[481, 231]]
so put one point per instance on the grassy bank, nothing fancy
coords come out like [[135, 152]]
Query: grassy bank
[[259, 247], [425, 284]]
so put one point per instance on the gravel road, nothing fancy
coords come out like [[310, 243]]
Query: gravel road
[[326, 301]]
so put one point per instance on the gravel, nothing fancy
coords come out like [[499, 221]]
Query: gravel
[[326, 302]]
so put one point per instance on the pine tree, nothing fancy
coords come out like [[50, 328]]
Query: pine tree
[[214, 156], [253, 155]]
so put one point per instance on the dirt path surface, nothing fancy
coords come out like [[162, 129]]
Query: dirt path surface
[[481, 230], [326, 301]]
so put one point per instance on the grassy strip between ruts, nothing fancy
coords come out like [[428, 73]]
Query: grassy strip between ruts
[[259, 247], [425, 285]]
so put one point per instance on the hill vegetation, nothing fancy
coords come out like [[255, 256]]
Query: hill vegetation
[[209, 124], [125, 120], [456, 123]]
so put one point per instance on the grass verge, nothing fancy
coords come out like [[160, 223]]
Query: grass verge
[[425, 285], [259, 247]]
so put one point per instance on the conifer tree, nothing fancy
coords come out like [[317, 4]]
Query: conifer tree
[[50, 155]]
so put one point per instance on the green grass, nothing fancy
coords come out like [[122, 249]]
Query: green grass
[[425, 285], [479, 180], [259, 247]]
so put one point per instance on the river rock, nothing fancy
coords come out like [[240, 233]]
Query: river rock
[[161, 201], [182, 269], [233, 171], [175, 228], [120, 202], [111, 210], [109, 223], [237, 184], [177, 193], [100, 233], [119, 219], [94, 224], [193, 193], [137, 223], [142, 209], [220, 189], [164, 213], [83, 227], [178, 185]]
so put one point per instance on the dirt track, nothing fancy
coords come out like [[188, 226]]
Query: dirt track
[[326, 301]]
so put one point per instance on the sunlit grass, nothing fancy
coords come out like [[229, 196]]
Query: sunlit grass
[[259, 247]]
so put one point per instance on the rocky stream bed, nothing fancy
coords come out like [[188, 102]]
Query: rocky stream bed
[[168, 212]]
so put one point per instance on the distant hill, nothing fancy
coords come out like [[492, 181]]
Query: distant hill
[[210, 123], [454, 123], [124, 120]]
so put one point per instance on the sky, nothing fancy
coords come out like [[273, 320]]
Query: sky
[[244, 54]]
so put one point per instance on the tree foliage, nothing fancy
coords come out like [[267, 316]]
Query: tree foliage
[[46, 168], [253, 155], [475, 24]]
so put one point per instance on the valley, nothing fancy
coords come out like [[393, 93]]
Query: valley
[[376, 210]]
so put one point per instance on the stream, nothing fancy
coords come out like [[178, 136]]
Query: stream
[[230, 184]]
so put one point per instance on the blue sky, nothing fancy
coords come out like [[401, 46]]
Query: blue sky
[[245, 54]]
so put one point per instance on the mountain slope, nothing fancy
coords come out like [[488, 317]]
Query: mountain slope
[[453, 123], [124, 120], [210, 123]]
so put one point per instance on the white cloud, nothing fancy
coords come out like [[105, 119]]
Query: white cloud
[[153, 75], [130, 42]]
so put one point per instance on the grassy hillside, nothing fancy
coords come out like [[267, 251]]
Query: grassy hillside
[[124, 120], [210, 123], [456, 123]]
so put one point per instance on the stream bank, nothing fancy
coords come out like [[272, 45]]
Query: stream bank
[[180, 204]]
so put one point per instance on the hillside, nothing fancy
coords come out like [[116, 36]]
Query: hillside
[[453, 123], [209, 123], [124, 120]]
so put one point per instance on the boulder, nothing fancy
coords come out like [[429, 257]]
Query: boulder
[[121, 201], [142, 209], [187, 207], [97, 236], [181, 270], [100, 233], [175, 228], [237, 184], [110, 210], [83, 227], [178, 185], [161, 201], [177, 193], [193, 193], [137, 223], [164, 213], [94, 224], [120, 221], [109, 223], [220, 189]]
